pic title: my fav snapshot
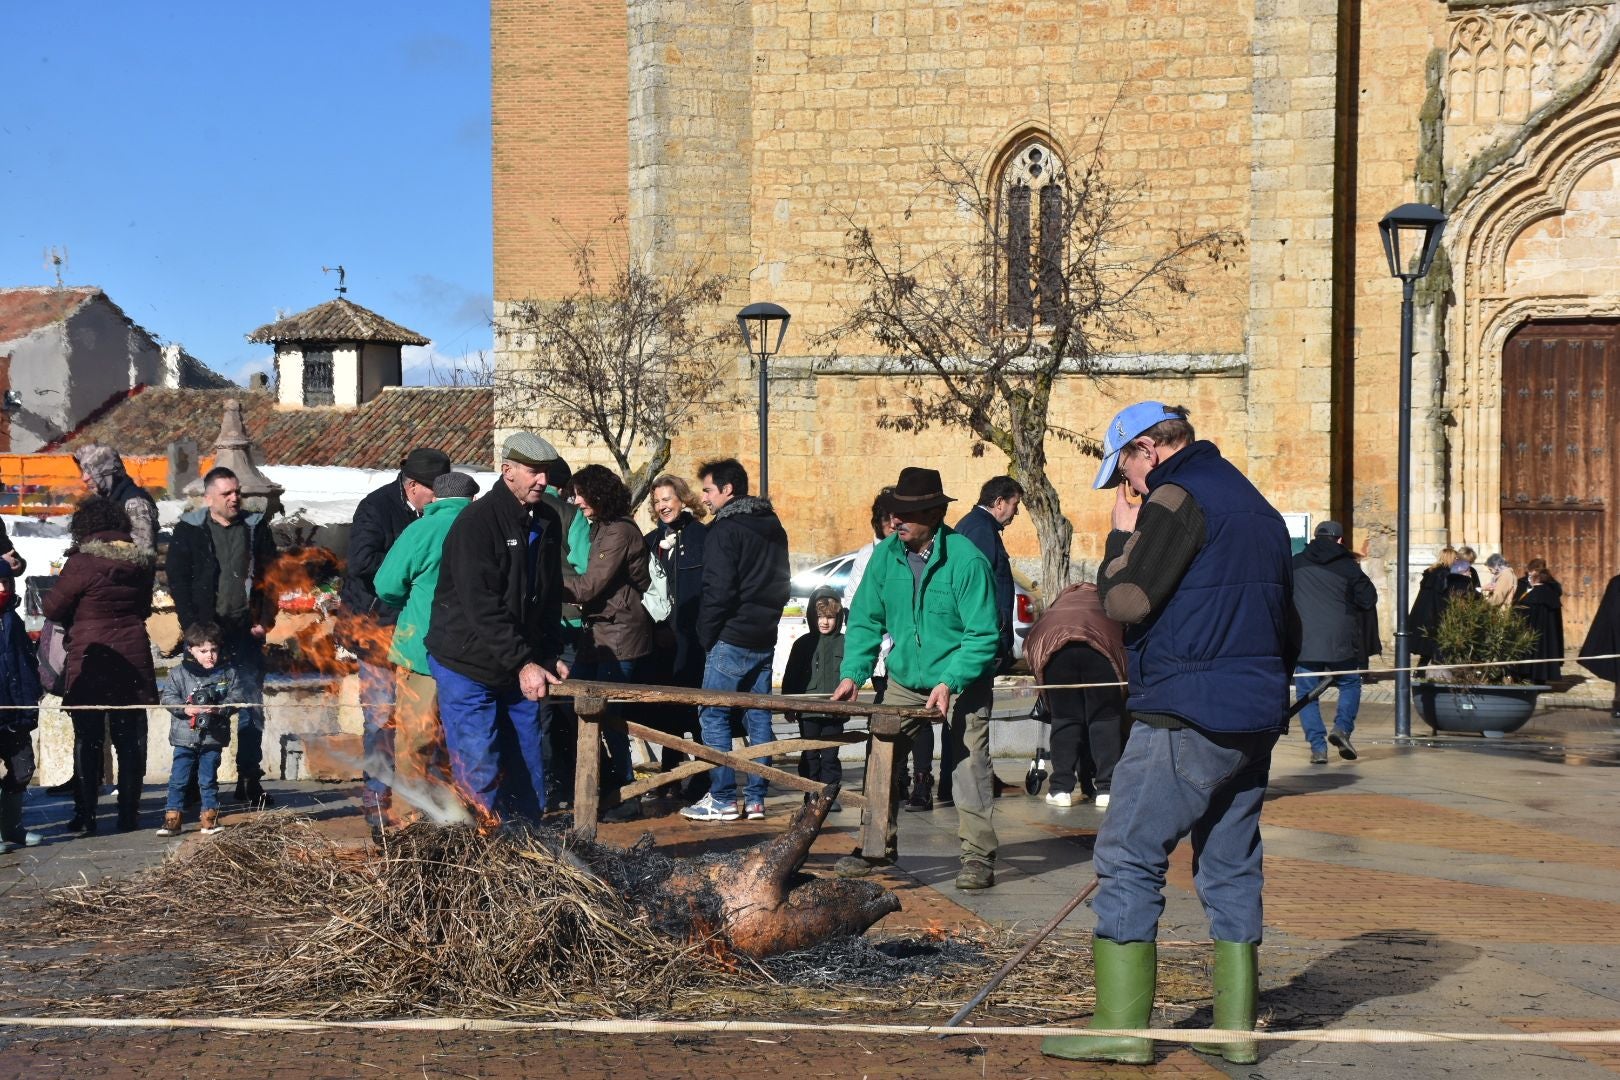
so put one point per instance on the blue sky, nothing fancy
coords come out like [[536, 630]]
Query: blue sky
[[202, 161]]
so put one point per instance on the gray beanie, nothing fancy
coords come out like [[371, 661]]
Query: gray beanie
[[454, 485]]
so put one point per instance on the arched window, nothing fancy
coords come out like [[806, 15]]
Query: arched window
[[1030, 227]]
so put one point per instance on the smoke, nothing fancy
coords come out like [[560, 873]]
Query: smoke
[[437, 803]]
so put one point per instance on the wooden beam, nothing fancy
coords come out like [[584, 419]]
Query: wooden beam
[[741, 761], [591, 709], [680, 695]]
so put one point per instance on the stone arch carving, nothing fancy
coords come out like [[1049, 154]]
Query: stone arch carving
[[1025, 183], [1489, 302]]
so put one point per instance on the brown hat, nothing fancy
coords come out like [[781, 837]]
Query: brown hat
[[425, 465], [918, 489]]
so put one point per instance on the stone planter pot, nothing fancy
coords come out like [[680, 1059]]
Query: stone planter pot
[[1492, 711]]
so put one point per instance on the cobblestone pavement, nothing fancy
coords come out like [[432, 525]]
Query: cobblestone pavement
[[1448, 884]]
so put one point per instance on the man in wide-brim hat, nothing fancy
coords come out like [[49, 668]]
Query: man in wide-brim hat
[[931, 591]]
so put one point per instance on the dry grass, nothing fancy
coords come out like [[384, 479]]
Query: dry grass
[[450, 921]]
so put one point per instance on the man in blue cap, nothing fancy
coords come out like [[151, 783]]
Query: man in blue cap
[[1199, 573]]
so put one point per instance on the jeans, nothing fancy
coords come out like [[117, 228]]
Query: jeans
[[620, 768], [1344, 718], [377, 698], [493, 736], [731, 667], [201, 762], [965, 741], [1171, 782], [246, 652]]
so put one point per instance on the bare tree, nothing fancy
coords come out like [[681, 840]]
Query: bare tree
[[628, 360], [1045, 284]]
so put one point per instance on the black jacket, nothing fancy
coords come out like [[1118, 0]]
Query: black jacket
[[683, 566], [488, 620], [378, 521], [193, 571], [980, 526], [1330, 593], [745, 576]]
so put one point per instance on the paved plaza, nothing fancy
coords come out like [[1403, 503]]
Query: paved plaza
[[1455, 884]]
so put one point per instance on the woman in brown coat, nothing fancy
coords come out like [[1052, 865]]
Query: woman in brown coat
[[618, 630], [102, 600], [1074, 642]]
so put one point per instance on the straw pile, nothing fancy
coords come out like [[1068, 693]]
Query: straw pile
[[270, 918], [442, 921]]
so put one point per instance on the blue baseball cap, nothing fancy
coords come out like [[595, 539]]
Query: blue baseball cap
[[1126, 425]]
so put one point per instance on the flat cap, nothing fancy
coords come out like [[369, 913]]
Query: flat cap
[[527, 448]]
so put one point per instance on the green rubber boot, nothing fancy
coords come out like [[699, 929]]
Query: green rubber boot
[[1126, 973], [1237, 990]]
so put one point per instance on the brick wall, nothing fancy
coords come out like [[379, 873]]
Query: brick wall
[[560, 78]]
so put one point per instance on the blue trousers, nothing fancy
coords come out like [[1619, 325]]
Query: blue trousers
[[1344, 717], [621, 770], [247, 654], [493, 736], [1170, 783], [377, 689], [731, 667], [201, 762]]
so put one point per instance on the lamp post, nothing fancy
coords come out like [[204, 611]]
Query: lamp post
[[1411, 237], [756, 320]]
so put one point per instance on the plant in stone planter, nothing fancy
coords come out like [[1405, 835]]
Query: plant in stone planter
[[1483, 693]]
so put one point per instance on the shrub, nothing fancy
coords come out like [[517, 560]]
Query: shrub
[[1474, 631]]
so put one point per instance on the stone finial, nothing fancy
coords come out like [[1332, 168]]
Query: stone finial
[[234, 450]]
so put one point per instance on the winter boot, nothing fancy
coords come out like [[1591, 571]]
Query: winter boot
[[66, 787], [210, 823], [171, 823], [1237, 990], [85, 796], [255, 794], [1126, 973], [922, 793], [12, 833]]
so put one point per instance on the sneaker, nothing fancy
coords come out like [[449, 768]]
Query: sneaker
[[1059, 798], [1101, 801], [754, 811], [171, 823], [1341, 742], [29, 839], [1318, 757], [976, 873], [706, 809]]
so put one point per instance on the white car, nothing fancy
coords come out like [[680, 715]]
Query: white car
[[836, 573]]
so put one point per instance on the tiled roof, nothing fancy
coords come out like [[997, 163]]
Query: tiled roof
[[458, 420], [336, 320], [24, 310]]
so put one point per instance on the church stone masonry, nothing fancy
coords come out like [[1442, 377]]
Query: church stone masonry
[[747, 134]]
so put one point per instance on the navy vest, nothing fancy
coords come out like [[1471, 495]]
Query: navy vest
[[1213, 655]]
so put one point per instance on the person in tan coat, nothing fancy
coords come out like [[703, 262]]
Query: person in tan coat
[[1501, 582], [618, 629]]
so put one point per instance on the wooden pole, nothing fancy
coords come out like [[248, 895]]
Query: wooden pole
[[588, 764]]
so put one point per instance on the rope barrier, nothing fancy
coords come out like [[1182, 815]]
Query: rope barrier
[[1364, 1036], [1020, 689]]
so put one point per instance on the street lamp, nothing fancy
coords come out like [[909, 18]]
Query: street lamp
[[1411, 237], [755, 321]]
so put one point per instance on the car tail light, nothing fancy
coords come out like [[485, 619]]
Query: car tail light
[[1024, 608]]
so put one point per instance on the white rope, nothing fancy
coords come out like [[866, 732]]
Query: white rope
[[662, 1027], [1021, 688]]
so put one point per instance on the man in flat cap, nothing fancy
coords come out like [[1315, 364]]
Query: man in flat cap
[[494, 638], [365, 625], [930, 589]]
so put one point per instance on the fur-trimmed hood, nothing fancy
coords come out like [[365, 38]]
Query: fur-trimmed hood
[[119, 548], [745, 504]]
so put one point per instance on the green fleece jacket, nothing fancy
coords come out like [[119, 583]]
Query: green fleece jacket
[[408, 577], [947, 631]]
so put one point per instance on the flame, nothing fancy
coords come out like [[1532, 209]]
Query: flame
[[935, 931]]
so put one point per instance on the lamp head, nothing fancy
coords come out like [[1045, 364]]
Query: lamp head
[[756, 322], [1411, 239]]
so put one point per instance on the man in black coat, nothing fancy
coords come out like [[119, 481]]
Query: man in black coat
[[494, 641], [745, 587], [996, 508], [217, 569], [1331, 593], [365, 624]]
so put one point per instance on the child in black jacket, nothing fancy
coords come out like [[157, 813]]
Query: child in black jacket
[[812, 668]]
